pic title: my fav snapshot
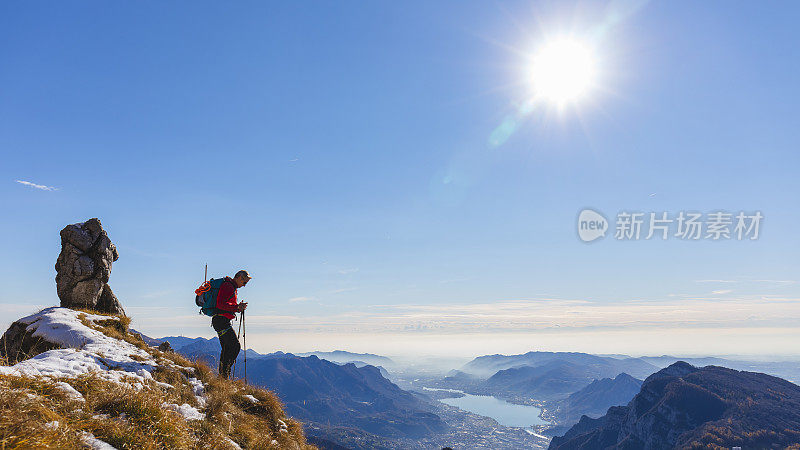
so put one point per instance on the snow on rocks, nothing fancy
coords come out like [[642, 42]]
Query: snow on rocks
[[251, 398], [84, 349], [188, 411]]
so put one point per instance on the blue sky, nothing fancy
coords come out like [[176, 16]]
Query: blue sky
[[340, 152]]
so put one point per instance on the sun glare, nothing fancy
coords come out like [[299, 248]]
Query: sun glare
[[562, 71]]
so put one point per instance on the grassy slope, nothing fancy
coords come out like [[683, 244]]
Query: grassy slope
[[34, 412]]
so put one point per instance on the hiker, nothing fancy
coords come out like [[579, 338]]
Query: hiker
[[227, 306]]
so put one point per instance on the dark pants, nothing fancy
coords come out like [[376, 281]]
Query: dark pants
[[228, 341]]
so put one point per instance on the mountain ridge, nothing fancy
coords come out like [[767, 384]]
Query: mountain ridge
[[330, 397], [685, 406]]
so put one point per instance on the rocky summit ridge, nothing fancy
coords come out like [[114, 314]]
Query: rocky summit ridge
[[76, 379]]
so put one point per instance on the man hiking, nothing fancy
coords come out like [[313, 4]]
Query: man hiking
[[227, 306]]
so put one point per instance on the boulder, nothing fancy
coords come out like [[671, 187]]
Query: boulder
[[83, 268], [19, 344], [165, 346]]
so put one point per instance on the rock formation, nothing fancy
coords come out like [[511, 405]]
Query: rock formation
[[84, 266]]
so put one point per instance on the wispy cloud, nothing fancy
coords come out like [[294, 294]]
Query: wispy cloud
[[300, 299], [339, 291], [37, 186], [747, 280], [347, 271], [546, 314], [722, 291]]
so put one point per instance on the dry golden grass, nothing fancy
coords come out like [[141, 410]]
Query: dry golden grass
[[125, 418], [252, 425], [115, 327], [26, 407]]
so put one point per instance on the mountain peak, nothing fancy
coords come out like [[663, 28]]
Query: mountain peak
[[684, 406], [80, 378]]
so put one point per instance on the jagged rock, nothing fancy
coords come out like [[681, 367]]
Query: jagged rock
[[84, 266], [165, 346]]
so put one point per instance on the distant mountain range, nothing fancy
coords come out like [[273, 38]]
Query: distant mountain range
[[682, 406], [207, 349], [346, 399], [597, 366], [337, 400], [593, 400], [320, 391], [540, 376], [343, 357], [552, 380], [788, 370]]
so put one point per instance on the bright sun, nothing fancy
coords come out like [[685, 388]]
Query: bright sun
[[563, 71]]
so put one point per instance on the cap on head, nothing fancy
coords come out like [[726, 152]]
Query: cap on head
[[242, 274]]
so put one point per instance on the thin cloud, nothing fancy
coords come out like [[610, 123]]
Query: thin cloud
[[746, 280], [339, 291], [37, 186], [300, 299], [564, 314], [347, 271], [722, 291]]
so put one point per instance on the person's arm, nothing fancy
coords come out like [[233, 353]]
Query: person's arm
[[226, 298]]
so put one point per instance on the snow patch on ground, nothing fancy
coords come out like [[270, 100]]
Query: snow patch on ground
[[199, 391], [70, 391], [94, 443], [251, 398], [188, 411], [165, 385], [86, 350], [283, 428], [232, 443], [90, 351]]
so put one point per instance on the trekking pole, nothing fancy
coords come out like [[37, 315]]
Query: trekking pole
[[238, 336], [244, 342]]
